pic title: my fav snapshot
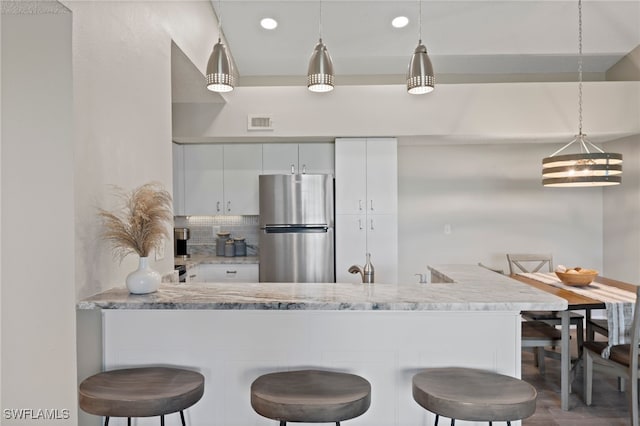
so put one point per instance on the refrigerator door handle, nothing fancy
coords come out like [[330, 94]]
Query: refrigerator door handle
[[296, 229]]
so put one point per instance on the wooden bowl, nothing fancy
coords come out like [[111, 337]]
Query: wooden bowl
[[584, 277]]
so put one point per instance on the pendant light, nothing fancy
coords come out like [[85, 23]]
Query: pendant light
[[591, 166], [320, 72], [220, 73], [420, 75]]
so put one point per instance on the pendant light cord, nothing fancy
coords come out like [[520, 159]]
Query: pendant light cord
[[420, 21], [219, 20], [320, 22], [579, 67]]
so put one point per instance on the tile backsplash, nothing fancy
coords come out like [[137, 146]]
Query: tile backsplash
[[203, 230]]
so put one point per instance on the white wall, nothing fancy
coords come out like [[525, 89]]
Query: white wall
[[38, 294], [122, 83], [622, 215], [492, 198]]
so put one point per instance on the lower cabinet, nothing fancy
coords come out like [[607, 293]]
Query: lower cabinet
[[221, 273]]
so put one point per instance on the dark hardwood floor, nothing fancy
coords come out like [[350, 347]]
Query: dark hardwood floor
[[609, 406]]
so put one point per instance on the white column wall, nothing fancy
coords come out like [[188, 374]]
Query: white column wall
[[38, 293], [122, 83]]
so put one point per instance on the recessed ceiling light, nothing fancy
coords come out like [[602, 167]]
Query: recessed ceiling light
[[268, 23], [400, 22]]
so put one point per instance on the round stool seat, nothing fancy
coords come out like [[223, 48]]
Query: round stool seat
[[310, 396], [140, 392], [477, 395]]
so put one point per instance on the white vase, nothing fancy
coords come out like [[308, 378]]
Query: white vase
[[144, 279]]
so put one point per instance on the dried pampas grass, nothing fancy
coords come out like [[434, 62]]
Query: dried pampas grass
[[141, 222]]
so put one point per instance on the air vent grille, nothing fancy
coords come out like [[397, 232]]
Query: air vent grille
[[259, 122]]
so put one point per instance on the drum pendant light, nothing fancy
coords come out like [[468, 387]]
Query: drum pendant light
[[420, 77], [591, 166], [320, 73], [220, 72]]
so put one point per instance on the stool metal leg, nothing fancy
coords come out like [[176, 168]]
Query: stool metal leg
[[182, 418], [128, 421], [106, 421], [162, 420], [283, 423], [436, 422]]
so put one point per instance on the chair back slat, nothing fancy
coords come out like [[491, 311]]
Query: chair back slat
[[529, 262], [635, 338]]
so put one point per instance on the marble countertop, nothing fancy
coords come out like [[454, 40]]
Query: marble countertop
[[474, 289]]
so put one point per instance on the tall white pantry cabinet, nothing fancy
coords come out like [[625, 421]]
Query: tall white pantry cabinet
[[366, 171]]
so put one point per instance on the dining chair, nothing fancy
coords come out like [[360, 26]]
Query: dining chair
[[531, 263], [622, 362], [536, 335]]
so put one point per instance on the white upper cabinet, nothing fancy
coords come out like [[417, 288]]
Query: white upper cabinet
[[316, 158], [242, 166], [382, 176], [304, 158], [178, 179], [221, 179], [366, 176], [279, 158], [203, 179]]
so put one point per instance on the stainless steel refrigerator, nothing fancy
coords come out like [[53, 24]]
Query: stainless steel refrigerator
[[296, 228]]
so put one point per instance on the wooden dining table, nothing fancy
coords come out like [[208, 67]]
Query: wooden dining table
[[575, 302]]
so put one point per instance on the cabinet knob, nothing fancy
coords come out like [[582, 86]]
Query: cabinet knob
[[293, 169], [218, 206], [304, 169]]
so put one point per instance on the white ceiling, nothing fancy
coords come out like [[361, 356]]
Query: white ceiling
[[467, 40]]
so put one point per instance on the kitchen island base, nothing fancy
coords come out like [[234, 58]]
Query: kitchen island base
[[231, 348]]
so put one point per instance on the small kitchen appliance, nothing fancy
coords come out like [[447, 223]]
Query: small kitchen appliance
[[180, 237]]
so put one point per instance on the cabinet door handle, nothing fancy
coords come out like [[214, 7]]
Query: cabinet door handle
[[371, 227], [293, 169], [232, 272], [360, 224], [360, 205], [304, 169], [218, 206], [228, 206], [371, 204]]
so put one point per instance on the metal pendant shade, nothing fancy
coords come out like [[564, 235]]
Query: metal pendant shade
[[589, 167], [420, 77], [220, 76], [320, 73]]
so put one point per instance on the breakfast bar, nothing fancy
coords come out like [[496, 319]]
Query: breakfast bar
[[234, 332]]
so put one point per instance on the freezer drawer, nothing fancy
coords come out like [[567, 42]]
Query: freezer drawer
[[304, 257]]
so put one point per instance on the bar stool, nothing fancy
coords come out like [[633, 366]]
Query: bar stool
[[310, 396], [140, 392], [474, 395]]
